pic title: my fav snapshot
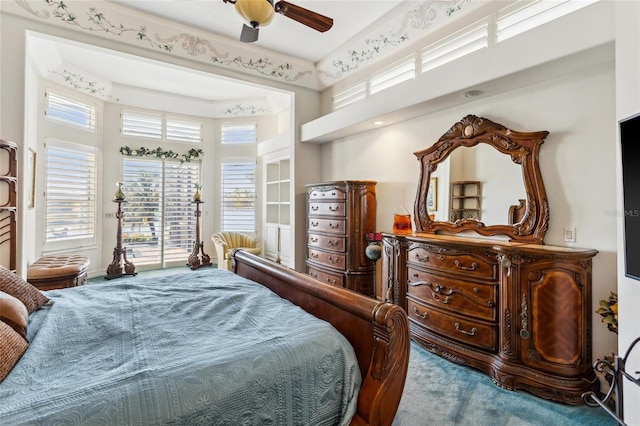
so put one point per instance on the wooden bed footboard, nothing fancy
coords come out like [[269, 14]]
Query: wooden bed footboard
[[378, 331]]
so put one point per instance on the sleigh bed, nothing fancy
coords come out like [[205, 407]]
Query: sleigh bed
[[210, 347]]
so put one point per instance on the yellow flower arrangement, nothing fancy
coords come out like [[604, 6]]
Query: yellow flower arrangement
[[609, 311]]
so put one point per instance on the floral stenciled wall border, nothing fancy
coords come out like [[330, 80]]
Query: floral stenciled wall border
[[240, 109], [79, 82], [408, 27], [112, 21]]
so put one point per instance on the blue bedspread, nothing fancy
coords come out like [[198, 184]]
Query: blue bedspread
[[206, 347]]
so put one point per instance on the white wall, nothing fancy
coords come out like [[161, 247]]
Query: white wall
[[627, 104], [577, 162]]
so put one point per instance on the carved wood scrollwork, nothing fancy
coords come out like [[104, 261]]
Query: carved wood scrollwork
[[522, 147]]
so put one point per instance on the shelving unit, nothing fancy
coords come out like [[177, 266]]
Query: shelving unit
[[277, 246], [466, 200], [8, 208]]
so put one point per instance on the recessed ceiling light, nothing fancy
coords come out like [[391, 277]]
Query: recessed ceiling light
[[473, 93], [378, 123]]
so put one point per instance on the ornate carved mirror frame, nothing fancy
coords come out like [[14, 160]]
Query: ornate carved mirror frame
[[522, 147]]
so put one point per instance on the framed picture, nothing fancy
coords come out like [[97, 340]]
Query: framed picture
[[432, 195], [31, 176]]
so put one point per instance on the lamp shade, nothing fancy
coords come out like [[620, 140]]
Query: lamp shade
[[260, 11]]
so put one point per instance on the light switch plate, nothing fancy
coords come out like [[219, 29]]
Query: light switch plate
[[569, 235]]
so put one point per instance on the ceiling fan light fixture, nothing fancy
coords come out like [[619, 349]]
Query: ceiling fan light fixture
[[256, 11]]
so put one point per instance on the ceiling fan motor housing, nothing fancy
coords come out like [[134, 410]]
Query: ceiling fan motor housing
[[258, 13]]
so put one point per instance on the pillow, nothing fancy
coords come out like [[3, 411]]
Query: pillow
[[14, 313], [14, 285], [12, 346]]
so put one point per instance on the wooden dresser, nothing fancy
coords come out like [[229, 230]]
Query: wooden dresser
[[340, 215], [519, 312]]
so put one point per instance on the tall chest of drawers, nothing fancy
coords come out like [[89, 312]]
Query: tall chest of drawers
[[519, 312], [340, 215]]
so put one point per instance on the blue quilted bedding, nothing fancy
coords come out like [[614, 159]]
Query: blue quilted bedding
[[204, 347]]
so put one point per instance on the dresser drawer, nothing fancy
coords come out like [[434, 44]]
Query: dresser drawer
[[463, 297], [334, 226], [325, 277], [328, 242], [336, 208], [332, 260], [451, 261], [453, 327], [327, 193]]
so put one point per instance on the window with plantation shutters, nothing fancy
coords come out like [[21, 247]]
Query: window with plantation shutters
[[238, 133], [70, 194], [159, 127], [159, 218], [181, 130], [396, 73], [238, 196], [70, 111]]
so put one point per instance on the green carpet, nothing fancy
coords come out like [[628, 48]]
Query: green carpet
[[441, 393]]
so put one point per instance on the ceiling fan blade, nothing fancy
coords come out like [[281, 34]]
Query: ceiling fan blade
[[305, 16], [249, 34]]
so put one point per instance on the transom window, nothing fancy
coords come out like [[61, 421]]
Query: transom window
[[160, 127], [70, 111], [238, 133]]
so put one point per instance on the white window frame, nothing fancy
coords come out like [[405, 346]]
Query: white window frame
[[229, 125], [158, 127], [70, 103], [89, 240], [224, 212]]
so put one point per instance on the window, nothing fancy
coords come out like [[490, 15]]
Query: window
[[457, 45], [70, 111], [238, 196], [70, 193], [160, 127], [350, 95], [402, 70], [159, 218], [238, 133]]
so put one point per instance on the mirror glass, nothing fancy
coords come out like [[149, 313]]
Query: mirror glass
[[500, 181]]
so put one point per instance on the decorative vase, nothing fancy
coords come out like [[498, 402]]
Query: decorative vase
[[197, 196], [119, 195]]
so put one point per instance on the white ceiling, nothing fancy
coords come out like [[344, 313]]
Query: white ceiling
[[284, 35], [135, 81]]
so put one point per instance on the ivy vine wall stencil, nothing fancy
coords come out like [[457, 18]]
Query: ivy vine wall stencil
[[395, 33], [114, 22]]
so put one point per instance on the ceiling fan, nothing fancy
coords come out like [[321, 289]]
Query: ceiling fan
[[260, 13]]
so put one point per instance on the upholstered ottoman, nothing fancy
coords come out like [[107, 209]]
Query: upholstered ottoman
[[59, 271]]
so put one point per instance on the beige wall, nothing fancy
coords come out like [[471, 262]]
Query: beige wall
[[578, 160]]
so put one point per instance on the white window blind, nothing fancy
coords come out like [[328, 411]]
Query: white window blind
[[182, 130], [159, 221], [70, 192], [70, 111], [349, 95], [525, 15], [402, 70], [462, 43], [238, 196], [238, 133], [140, 125]]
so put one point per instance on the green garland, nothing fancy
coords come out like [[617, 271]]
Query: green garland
[[192, 155]]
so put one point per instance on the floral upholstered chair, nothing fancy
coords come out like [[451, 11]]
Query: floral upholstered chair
[[227, 241]]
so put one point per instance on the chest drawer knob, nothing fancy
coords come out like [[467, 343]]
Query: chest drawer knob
[[333, 243], [314, 208], [473, 266], [423, 315], [334, 209], [314, 240], [314, 223], [332, 226], [468, 333], [333, 261]]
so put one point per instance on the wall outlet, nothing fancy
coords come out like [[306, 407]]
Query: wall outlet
[[109, 215], [569, 235]]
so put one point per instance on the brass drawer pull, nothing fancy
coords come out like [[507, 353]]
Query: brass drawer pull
[[468, 333], [333, 243], [473, 266], [314, 240], [333, 261], [314, 255], [314, 223], [314, 208], [332, 226], [334, 209], [330, 281], [425, 315], [421, 259]]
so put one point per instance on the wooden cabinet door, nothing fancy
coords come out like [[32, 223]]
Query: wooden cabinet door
[[555, 316]]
